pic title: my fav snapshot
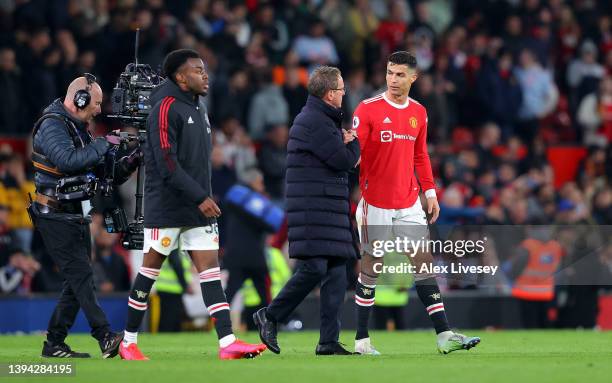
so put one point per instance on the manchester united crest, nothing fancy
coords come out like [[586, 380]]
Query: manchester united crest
[[413, 122], [165, 241]]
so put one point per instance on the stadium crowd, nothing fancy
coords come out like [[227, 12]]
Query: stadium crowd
[[502, 82]]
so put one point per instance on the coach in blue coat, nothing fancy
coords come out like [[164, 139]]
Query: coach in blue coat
[[320, 155]]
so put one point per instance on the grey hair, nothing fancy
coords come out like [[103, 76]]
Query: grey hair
[[322, 80]]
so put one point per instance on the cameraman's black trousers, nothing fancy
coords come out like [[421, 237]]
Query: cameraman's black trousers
[[331, 273], [69, 244]]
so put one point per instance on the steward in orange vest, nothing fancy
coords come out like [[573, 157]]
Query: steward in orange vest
[[536, 281]]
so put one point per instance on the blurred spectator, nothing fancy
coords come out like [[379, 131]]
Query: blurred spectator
[[255, 53], [540, 95], [595, 115], [244, 257], [602, 206], [223, 176], [16, 268], [173, 282], [273, 161], [231, 97], [294, 90], [207, 17], [333, 13], [110, 270], [273, 31], [569, 35], [499, 92], [291, 63], [584, 73], [583, 275], [513, 36], [433, 98], [316, 48], [237, 147], [357, 90], [268, 106], [391, 31], [226, 44], [488, 139], [12, 109], [421, 24], [363, 24], [18, 189], [40, 58]]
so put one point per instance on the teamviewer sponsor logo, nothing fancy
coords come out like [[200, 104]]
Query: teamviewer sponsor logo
[[386, 136]]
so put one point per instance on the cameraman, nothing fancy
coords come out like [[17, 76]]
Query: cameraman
[[63, 147]]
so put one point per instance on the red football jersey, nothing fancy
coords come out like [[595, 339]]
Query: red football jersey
[[393, 140]]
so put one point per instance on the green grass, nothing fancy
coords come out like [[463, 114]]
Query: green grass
[[504, 356]]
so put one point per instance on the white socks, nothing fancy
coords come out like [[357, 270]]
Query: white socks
[[444, 335], [227, 340], [130, 337]]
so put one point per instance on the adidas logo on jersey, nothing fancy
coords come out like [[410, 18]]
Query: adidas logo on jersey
[[387, 120], [190, 120]]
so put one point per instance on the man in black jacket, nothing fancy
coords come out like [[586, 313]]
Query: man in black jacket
[[179, 210], [320, 155], [246, 259], [63, 147]]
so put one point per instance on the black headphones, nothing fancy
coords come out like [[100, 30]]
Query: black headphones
[[82, 96]]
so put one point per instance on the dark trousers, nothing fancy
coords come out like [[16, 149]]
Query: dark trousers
[[69, 245], [171, 312], [259, 276], [535, 314], [331, 273]]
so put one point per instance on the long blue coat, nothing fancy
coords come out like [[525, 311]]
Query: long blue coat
[[317, 190]]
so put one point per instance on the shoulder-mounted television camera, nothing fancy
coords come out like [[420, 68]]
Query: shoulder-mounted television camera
[[131, 106], [130, 99]]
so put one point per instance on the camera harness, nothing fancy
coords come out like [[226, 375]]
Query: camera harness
[[42, 164]]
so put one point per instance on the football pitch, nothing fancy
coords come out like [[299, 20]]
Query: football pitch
[[503, 356]]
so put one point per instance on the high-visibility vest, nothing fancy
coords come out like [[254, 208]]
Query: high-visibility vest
[[392, 289], [536, 282], [279, 273], [390, 296], [167, 281]]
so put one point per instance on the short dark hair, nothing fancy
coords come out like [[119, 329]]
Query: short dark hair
[[175, 59], [403, 58], [323, 79]]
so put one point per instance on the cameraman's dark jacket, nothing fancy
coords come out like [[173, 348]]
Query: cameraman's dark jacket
[[177, 159], [66, 144]]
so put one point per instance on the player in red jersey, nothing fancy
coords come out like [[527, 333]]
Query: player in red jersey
[[392, 132]]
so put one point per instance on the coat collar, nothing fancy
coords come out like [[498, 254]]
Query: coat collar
[[58, 107], [169, 88], [334, 113]]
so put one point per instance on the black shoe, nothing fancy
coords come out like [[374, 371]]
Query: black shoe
[[109, 345], [332, 349], [61, 350], [267, 330]]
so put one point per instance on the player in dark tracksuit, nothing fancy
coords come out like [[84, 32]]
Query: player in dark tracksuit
[[179, 210]]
